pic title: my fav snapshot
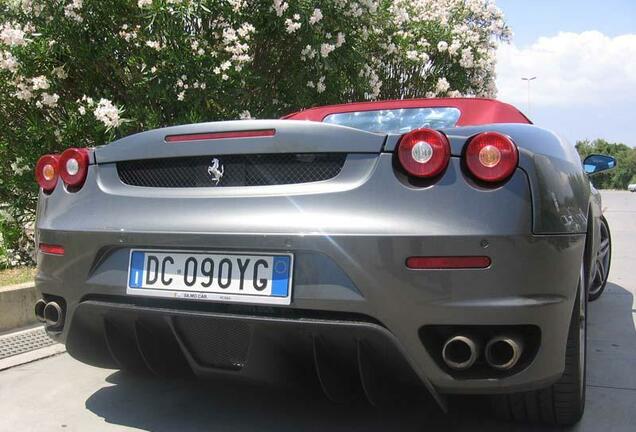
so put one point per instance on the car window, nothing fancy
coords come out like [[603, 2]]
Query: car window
[[397, 121]]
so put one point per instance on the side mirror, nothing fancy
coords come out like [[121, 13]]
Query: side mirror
[[597, 163]]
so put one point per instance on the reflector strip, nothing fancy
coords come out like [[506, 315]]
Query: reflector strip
[[221, 135], [448, 262], [51, 249]]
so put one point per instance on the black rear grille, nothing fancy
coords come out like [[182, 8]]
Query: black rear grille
[[238, 170], [216, 343]]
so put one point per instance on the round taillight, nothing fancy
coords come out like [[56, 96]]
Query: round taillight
[[491, 157], [424, 152], [47, 172], [74, 166]]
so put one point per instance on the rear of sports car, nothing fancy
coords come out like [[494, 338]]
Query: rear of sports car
[[260, 249]]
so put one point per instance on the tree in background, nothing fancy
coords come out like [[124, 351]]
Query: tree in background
[[80, 73], [623, 174]]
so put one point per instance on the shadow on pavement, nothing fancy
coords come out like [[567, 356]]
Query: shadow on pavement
[[159, 405]]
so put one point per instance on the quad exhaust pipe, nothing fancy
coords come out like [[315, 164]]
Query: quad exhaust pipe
[[50, 313], [460, 352], [503, 352]]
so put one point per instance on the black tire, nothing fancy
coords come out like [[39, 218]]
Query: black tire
[[602, 262], [562, 403]]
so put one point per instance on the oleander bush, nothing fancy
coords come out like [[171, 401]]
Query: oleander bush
[[84, 72]]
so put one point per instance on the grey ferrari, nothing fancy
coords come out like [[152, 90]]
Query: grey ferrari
[[447, 245]]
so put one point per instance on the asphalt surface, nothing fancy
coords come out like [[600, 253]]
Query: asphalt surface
[[60, 393]]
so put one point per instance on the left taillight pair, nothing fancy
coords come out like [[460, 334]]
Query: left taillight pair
[[489, 156], [71, 166]]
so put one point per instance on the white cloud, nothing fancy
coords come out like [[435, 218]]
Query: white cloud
[[572, 69]]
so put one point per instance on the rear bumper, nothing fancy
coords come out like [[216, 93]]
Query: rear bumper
[[349, 246]]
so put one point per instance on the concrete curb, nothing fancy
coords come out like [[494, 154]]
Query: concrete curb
[[16, 306]]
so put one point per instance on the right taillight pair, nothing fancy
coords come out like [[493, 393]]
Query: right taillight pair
[[71, 166], [489, 156]]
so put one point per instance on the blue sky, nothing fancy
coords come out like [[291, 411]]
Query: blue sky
[[584, 56]]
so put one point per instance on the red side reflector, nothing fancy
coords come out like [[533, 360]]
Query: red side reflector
[[448, 262], [221, 135], [51, 249]]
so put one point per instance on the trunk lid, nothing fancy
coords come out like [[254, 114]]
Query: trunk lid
[[288, 137]]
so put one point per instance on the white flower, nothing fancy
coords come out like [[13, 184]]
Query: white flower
[[107, 113], [280, 7], [237, 5], [24, 92], [307, 52], [40, 83], [442, 46], [19, 167], [226, 65], [8, 61], [71, 10], [144, 3], [340, 40], [245, 115], [225, 77], [467, 60], [60, 72], [153, 70], [320, 86], [315, 16], [203, 86], [442, 85], [411, 55], [12, 35], [49, 100], [374, 82], [127, 35], [181, 96], [89, 100], [454, 47], [292, 26], [326, 48], [245, 30], [81, 110], [311, 84], [154, 44]]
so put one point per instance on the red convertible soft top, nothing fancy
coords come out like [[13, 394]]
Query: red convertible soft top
[[474, 111]]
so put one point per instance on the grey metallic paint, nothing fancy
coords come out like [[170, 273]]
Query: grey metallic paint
[[351, 235]]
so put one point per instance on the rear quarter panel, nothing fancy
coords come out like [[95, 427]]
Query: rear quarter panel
[[560, 189]]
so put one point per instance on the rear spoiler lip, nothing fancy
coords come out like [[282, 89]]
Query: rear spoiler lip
[[290, 137]]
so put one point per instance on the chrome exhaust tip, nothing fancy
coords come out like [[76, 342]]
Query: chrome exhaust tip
[[53, 316], [460, 352], [39, 310], [503, 352]]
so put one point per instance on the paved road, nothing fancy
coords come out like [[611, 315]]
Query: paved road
[[61, 394]]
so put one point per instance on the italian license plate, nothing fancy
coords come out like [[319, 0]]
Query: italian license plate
[[214, 276]]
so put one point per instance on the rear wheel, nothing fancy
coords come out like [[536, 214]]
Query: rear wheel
[[602, 263], [563, 402]]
